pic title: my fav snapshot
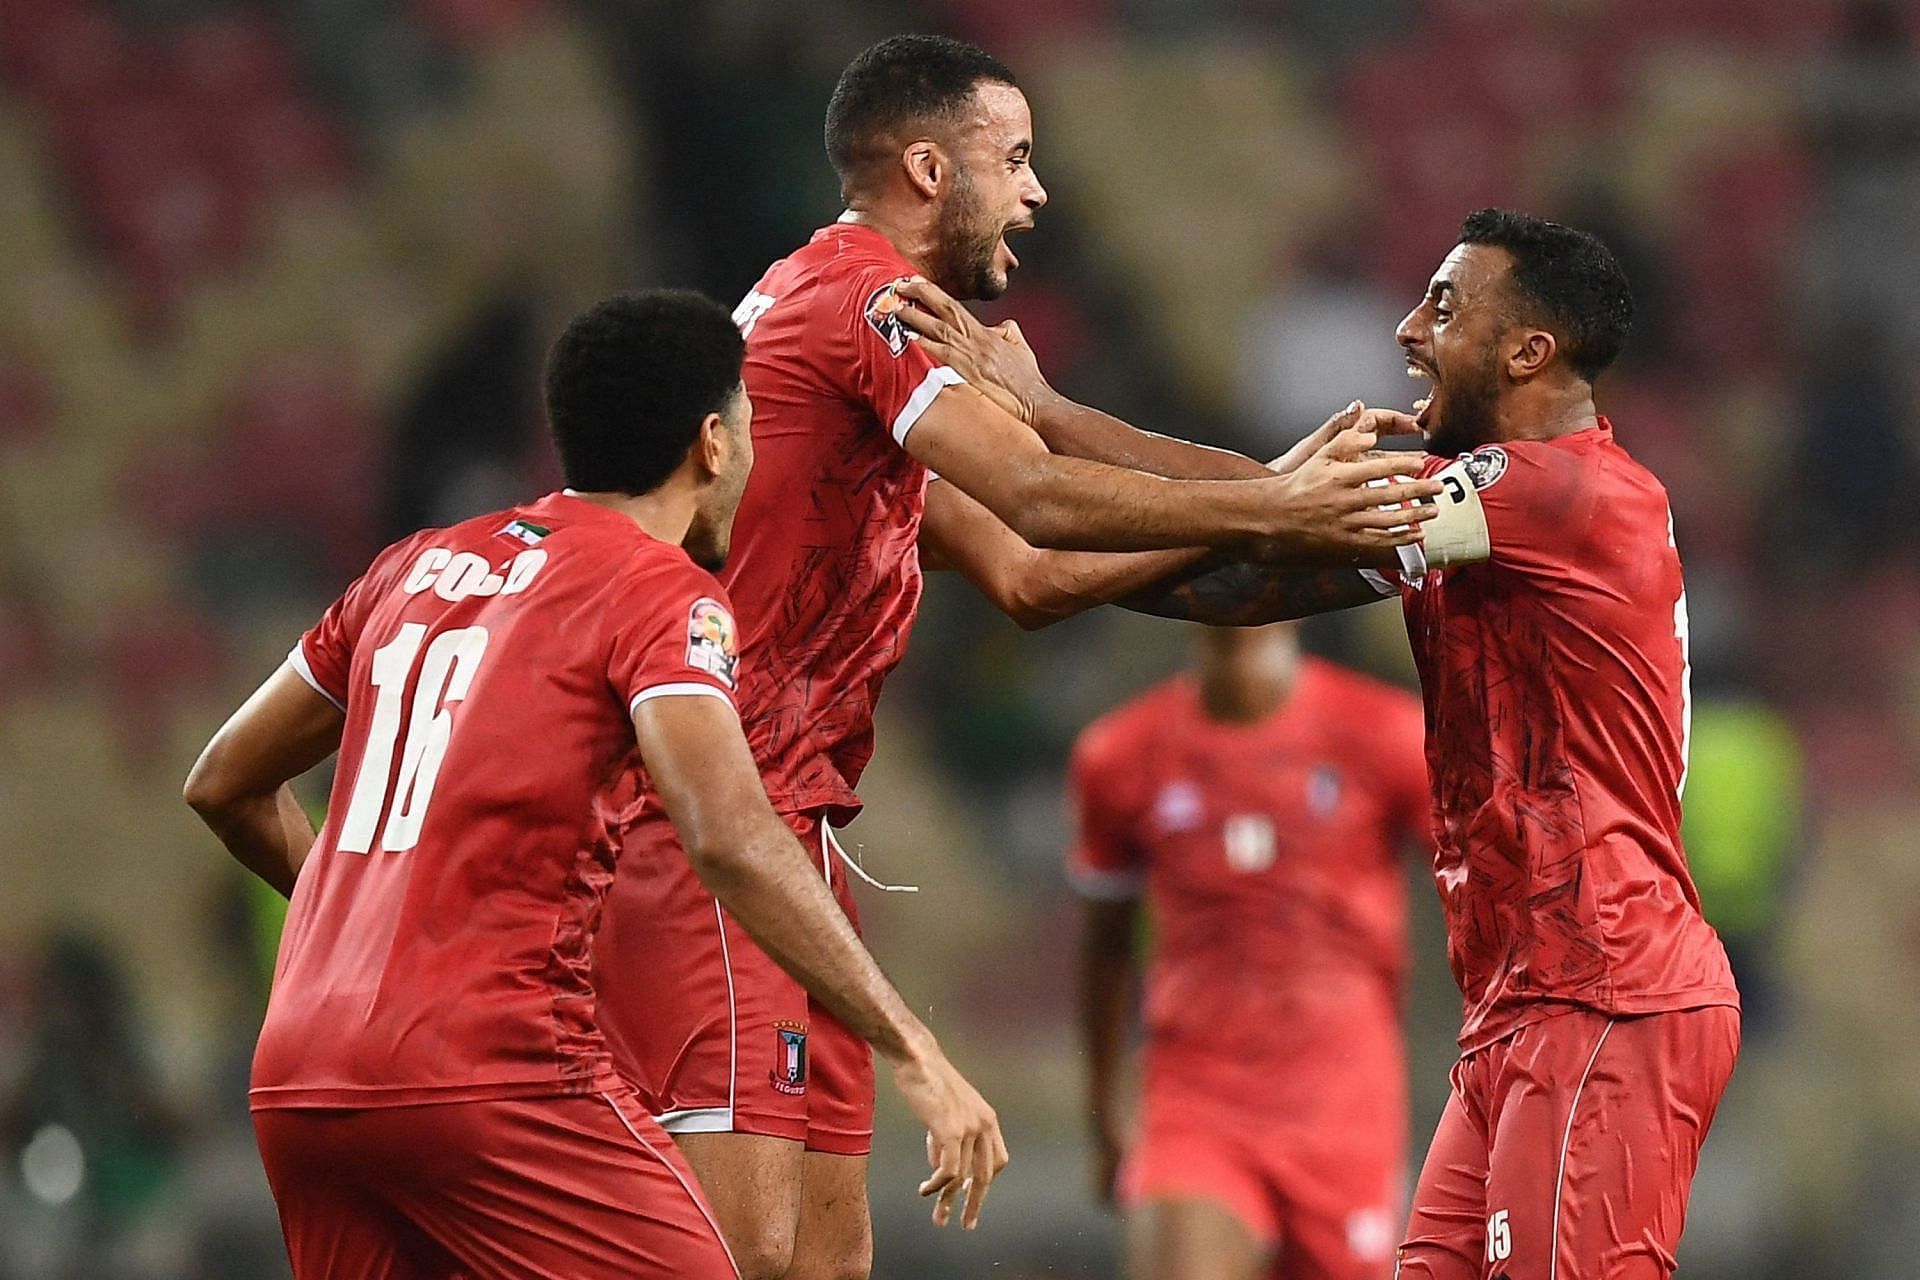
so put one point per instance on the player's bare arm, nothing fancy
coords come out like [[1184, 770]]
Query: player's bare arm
[[998, 360], [1235, 593], [238, 786], [1037, 587], [1105, 988], [1323, 512], [752, 863]]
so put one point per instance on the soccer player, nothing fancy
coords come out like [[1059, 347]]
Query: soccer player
[[431, 1091], [1601, 1021], [1260, 803], [769, 1095]]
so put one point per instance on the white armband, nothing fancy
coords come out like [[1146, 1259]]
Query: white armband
[[1458, 535]]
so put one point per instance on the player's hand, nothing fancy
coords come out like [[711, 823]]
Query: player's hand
[[1344, 504], [995, 360], [964, 1147], [1386, 422]]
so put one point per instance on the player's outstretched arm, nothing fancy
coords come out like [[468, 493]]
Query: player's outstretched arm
[[238, 786], [1325, 511], [1105, 990], [999, 362], [1037, 587], [1223, 592], [753, 864]]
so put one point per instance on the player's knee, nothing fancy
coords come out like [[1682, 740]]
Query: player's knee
[[763, 1254], [855, 1265]]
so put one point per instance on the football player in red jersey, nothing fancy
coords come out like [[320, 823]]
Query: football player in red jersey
[[1601, 1019], [769, 1096], [1261, 804], [432, 1093]]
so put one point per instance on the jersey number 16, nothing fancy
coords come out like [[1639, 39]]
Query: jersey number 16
[[446, 672]]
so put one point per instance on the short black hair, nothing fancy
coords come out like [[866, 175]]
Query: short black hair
[[1570, 278], [901, 80], [629, 382]]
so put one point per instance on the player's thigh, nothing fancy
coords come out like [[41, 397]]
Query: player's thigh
[[1598, 1138], [835, 1241], [1341, 1204], [754, 1185], [333, 1221], [1446, 1236], [586, 1187], [1178, 1236]]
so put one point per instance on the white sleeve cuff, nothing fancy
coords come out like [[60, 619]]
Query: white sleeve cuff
[[677, 689], [1105, 886], [1380, 582], [938, 377], [298, 661]]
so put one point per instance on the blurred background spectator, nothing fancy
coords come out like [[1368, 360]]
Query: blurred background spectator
[[277, 280]]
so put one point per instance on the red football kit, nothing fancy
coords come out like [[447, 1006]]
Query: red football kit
[[1601, 1017], [1274, 1079], [825, 556], [433, 996]]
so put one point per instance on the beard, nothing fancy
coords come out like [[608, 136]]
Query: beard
[[1466, 419], [968, 243]]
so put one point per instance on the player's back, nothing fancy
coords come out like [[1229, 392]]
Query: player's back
[[1555, 678], [1269, 856], [825, 543], [436, 948]]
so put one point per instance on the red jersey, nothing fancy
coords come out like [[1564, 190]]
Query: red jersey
[[1555, 678], [436, 948], [1269, 855], [825, 546]]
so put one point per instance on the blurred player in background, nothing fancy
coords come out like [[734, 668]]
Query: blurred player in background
[[431, 1092], [770, 1096], [1261, 803], [1601, 1021]]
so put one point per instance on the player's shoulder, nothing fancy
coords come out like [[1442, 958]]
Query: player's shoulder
[[1120, 733], [1357, 690]]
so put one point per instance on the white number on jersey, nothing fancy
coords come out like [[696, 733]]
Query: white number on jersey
[[748, 313], [1250, 842], [446, 673], [1686, 669], [1499, 1238]]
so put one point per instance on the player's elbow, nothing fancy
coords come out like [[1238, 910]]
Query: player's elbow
[[209, 790]]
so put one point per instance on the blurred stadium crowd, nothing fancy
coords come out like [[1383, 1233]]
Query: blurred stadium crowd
[[277, 280]]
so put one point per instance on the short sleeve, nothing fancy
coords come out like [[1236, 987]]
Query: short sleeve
[[890, 372], [675, 636], [1105, 861], [324, 655]]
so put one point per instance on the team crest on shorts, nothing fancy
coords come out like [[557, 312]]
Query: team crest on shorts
[[883, 313], [1485, 465], [790, 1057], [712, 646]]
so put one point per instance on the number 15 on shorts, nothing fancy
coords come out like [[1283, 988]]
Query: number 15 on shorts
[[1499, 1237]]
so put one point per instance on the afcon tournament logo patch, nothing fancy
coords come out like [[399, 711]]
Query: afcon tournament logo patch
[[1486, 465], [711, 644], [790, 1057], [883, 313]]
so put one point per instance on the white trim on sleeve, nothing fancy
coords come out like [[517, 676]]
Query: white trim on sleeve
[[1380, 582], [938, 377], [297, 659], [1105, 886], [697, 1120], [675, 689]]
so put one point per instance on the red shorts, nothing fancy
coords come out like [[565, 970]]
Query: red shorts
[[583, 1186], [714, 1035], [1310, 1157], [1567, 1150]]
